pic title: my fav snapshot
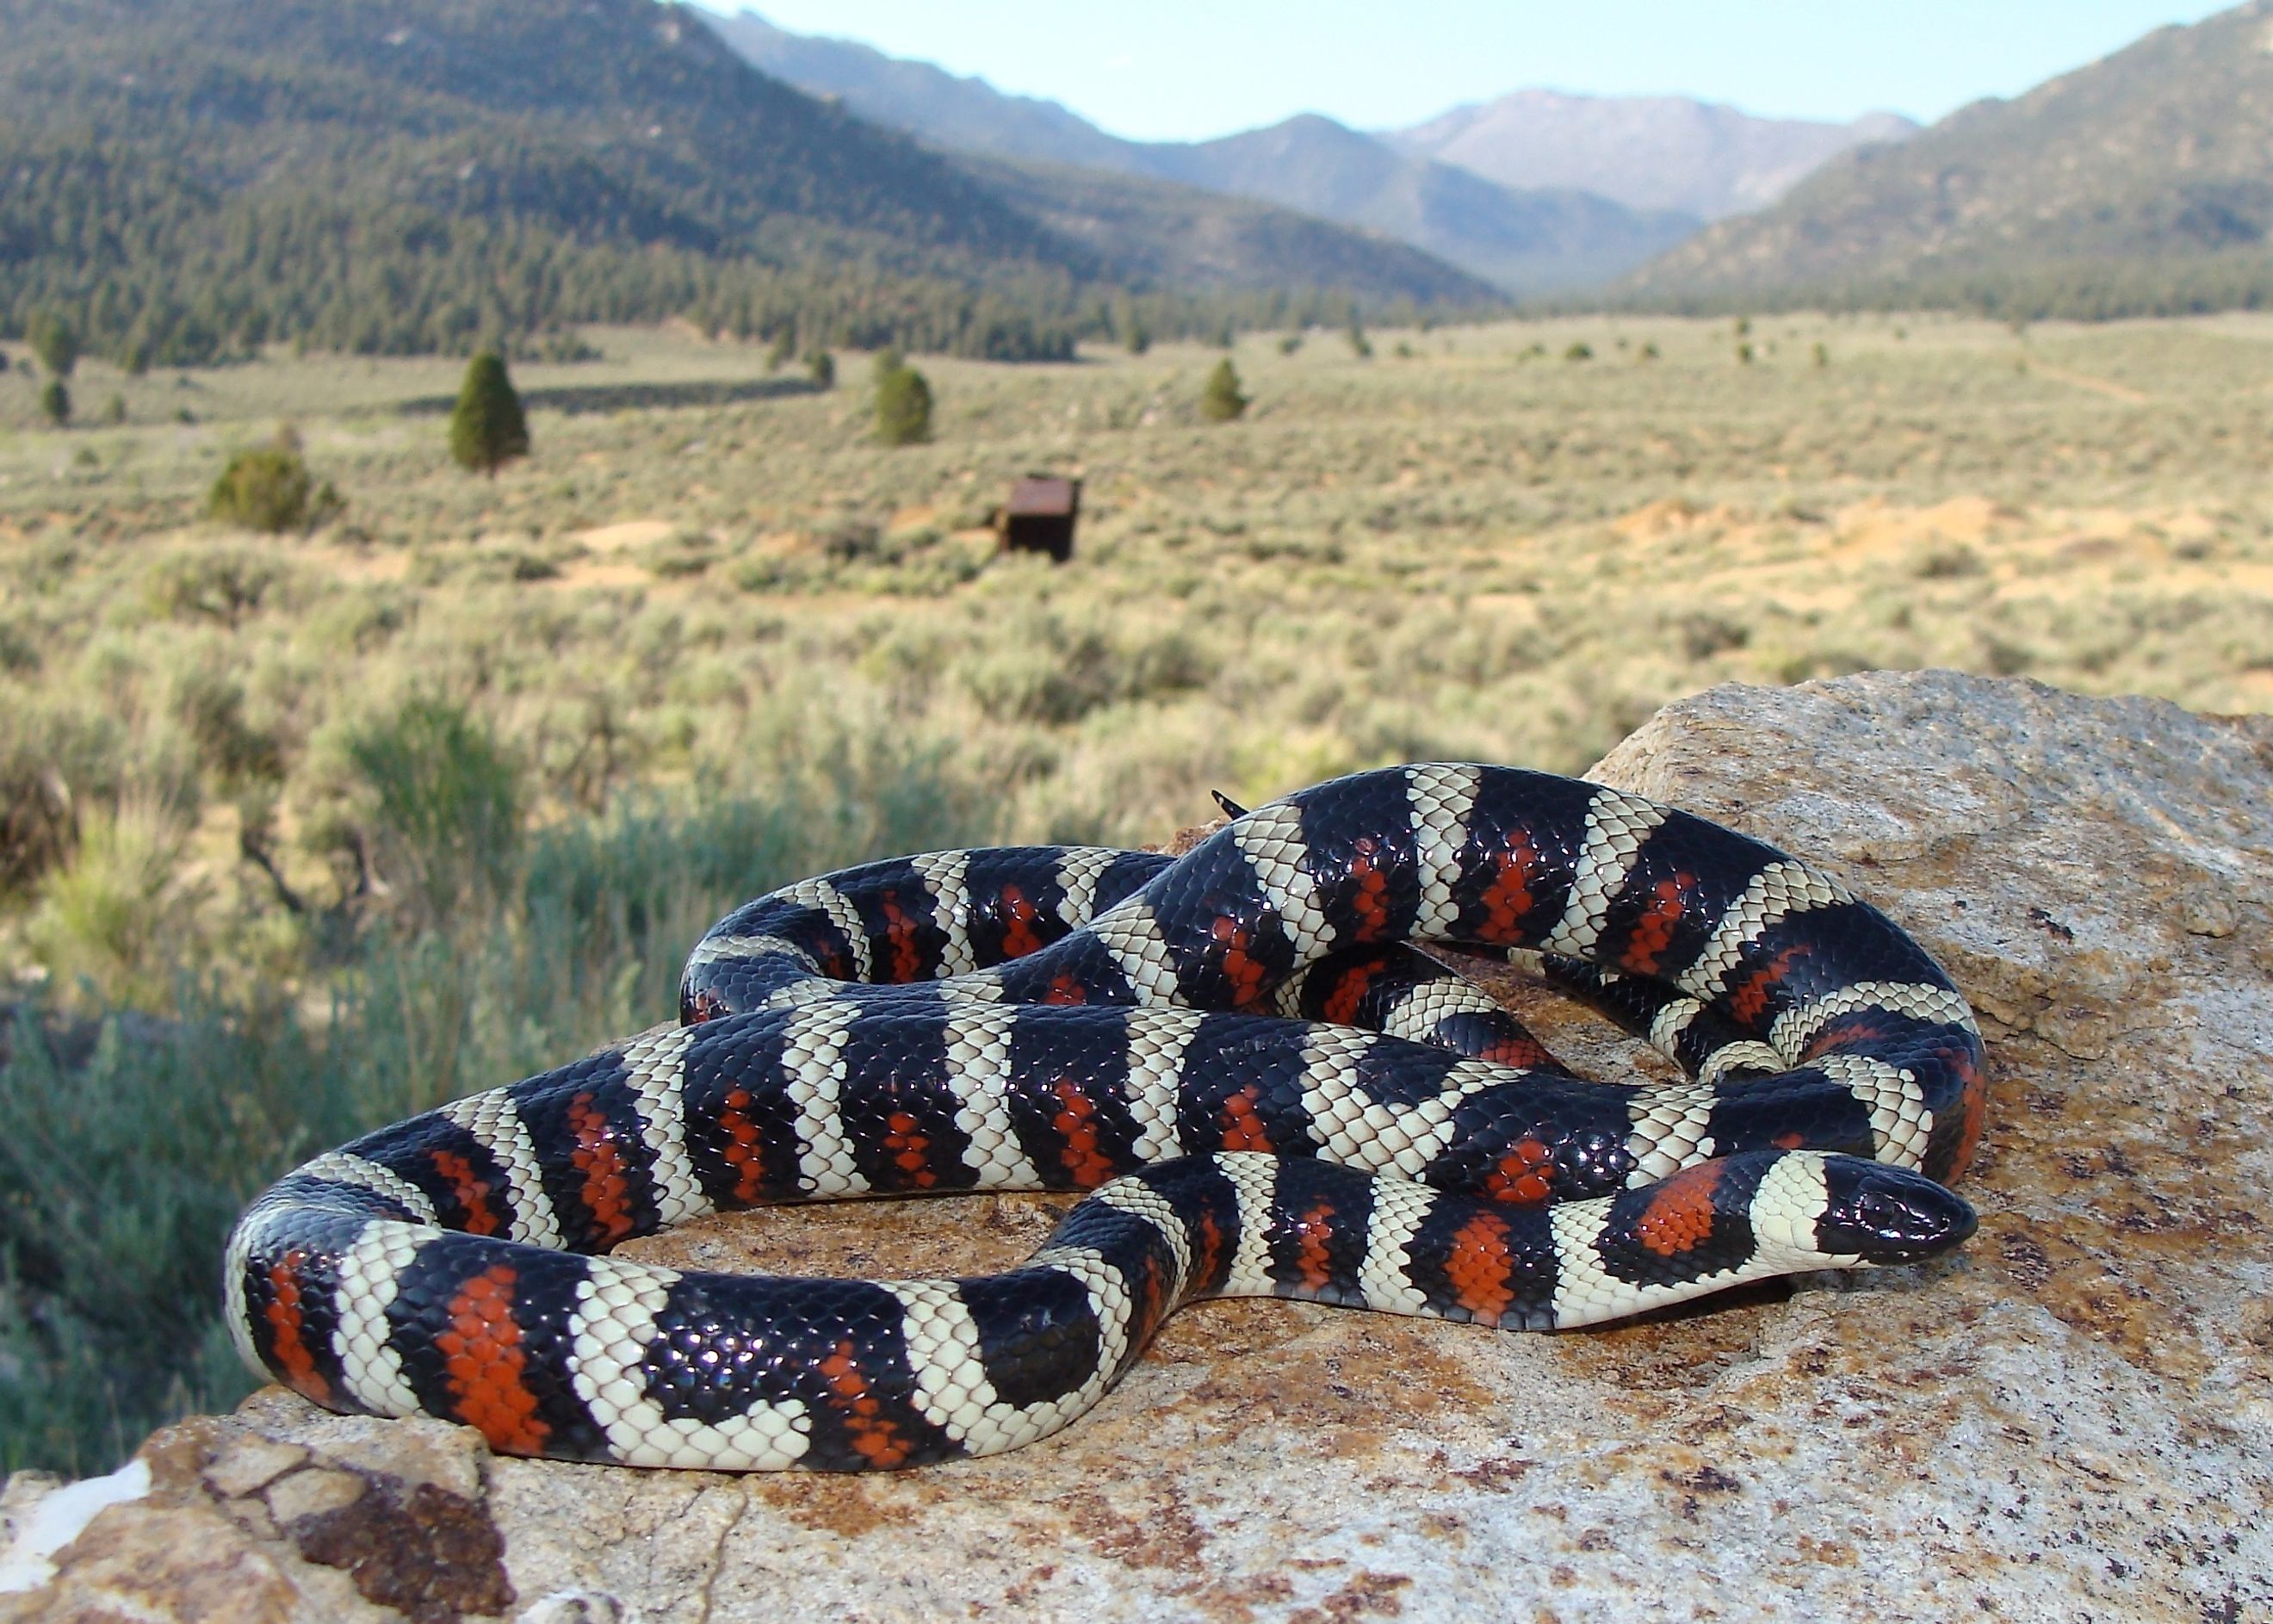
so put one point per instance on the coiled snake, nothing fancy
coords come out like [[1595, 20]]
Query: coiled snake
[[1268, 1090]]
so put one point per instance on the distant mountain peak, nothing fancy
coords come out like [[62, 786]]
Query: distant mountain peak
[[1646, 152], [1532, 238]]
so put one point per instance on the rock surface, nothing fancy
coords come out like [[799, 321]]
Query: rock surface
[[2074, 1419]]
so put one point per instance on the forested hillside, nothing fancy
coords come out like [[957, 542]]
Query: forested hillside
[[2141, 184], [190, 178]]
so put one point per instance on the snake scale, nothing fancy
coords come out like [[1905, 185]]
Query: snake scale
[[1240, 1052]]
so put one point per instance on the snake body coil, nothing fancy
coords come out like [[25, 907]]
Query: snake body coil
[[1269, 1091]]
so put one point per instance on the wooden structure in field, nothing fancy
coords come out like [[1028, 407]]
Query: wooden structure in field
[[1040, 514]]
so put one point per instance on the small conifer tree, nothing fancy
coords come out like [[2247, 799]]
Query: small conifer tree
[[55, 342], [1140, 338], [487, 430], [780, 350], [820, 366], [1220, 400], [1361, 346], [54, 400], [903, 407]]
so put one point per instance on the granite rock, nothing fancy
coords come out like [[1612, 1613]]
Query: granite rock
[[2072, 1419]]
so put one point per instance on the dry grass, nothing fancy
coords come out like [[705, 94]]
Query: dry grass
[[709, 575]]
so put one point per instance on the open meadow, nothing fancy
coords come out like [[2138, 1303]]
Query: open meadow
[[300, 834]]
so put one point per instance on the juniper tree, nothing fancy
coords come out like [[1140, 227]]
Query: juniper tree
[[903, 407], [488, 430], [55, 342], [54, 400], [1220, 400]]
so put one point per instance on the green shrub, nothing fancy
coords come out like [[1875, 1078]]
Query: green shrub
[[488, 428], [63, 754], [1220, 401], [903, 408], [112, 920], [56, 402], [445, 806], [55, 342], [269, 489], [209, 703], [130, 1143], [225, 584], [820, 366]]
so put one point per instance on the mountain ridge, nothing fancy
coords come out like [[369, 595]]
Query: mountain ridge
[[1529, 240], [2141, 183], [193, 178]]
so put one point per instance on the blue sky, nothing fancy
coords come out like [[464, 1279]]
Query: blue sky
[[1182, 70]]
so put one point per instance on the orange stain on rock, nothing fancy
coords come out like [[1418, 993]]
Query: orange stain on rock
[[484, 1364], [1075, 1124], [1018, 935], [873, 1435], [1652, 933], [1479, 1267], [472, 1192], [286, 1327], [1243, 1127], [1525, 1176], [607, 1183], [744, 1151], [1679, 1215], [1508, 899]]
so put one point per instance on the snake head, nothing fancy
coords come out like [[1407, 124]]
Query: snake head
[[1888, 1214]]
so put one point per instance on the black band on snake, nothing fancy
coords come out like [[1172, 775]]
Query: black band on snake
[[1238, 1050]]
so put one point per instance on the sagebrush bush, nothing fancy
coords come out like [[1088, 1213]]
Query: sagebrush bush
[[129, 1163], [109, 923], [444, 801], [269, 489]]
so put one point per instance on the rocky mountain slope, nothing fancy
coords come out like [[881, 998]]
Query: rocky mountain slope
[[2151, 169]]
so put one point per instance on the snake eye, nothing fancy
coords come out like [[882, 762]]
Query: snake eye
[[1888, 1214]]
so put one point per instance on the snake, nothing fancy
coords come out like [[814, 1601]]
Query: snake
[[1246, 1055]]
